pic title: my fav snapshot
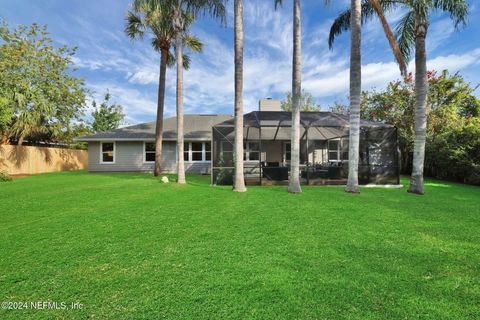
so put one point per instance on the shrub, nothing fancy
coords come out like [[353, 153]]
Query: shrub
[[5, 177]]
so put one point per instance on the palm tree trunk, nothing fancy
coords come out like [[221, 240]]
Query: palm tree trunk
[[20, 141], [179, 58], [355, 93], [160, 106], [390, 37], [239, 182], [421, 89], [294, 183]]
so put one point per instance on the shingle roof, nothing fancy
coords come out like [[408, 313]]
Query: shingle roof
[[196, 127]]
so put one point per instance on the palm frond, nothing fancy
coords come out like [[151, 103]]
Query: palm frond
[[192, 43], [278, 3], [186, 62], [134, 27], [342, 22], [405, 34], [458, 10]]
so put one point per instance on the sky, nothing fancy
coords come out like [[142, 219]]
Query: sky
[[110, 61]]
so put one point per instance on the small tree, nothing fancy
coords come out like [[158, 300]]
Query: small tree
[[106, 116], [306, 102]]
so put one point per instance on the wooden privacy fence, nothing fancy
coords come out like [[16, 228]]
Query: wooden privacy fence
[[30, 160]]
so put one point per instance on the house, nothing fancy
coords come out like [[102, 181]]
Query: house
[[209, 148], [132, 148]]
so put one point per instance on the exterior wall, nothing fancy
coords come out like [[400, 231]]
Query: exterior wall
[[20, 160], [129, 157], [273, 151]]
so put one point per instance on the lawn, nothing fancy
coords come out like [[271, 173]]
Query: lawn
[[128, 246]]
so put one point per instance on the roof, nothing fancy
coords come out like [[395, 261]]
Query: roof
[[196, 127], [307, 119]]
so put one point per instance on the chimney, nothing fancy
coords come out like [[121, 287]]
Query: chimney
[[269, 104]]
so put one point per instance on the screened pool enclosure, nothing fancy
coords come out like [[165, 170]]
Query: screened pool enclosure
[[323, 150]]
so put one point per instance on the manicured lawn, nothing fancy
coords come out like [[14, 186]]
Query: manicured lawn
[[127, 246]]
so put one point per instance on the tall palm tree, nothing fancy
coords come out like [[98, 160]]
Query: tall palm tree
[[355, 93], [239, 182], [294, 181], [180, 10], [411, 32], [216, 9], [146, 17]]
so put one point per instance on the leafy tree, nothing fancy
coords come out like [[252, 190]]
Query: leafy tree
[[306, 102], [37, 84], [339, 108], [6, 116], [452, 149], [106, 116]]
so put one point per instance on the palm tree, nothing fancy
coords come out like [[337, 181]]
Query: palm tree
[[216, 9], [355, 93], [239, 182], [180, 11], [146, 17], [294, 181], [411, 31]]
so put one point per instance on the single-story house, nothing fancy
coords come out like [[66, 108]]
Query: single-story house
[[133, 149], [209, 148]]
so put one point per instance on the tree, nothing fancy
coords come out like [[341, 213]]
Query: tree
[[107, 116], [39, 97], [6, 116], [306, 102], [355, 94], [452, 150], [239, 182], [149, 17], [294, 181], [180, 11], [411, 33]]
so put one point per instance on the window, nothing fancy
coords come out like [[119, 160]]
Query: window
[[288, 152], [186, 151], [208, 151], [251, 151], [337, 150], [333, 150], [107, 152], [149, 152], [197, 151]]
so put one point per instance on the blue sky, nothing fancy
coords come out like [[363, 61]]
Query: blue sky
[[129, 70]]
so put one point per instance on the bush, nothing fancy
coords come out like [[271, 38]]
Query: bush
[[5, 177]]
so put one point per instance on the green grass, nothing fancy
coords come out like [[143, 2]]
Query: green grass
[[127, 246]]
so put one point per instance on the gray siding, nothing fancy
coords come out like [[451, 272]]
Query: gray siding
[[129, 157]]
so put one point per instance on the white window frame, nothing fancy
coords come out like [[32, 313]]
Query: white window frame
[[285, 160], [339, 150], [145, 151], [248, 150], [114, 152], [204, 153]]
